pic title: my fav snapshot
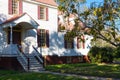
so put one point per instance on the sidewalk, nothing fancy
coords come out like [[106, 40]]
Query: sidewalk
[[80, 76]]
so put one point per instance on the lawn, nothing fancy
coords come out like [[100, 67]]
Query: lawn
[[101, 70], [14, 75]]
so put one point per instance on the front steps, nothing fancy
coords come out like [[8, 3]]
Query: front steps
[[30, 63], [34, 64]]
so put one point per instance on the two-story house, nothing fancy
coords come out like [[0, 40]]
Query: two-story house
[[29, 36]]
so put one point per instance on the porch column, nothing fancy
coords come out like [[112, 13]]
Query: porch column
[[11, 32]]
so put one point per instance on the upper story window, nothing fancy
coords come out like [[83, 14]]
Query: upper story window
[[43, 38], [42, 13], [15, 7]]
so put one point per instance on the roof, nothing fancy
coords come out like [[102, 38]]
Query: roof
[[49, 2], [22, 18], [13, 18]]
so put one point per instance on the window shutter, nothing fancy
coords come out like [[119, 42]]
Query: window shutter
[[65, 43], [47, 38], [38, 12], [46, 14], [20, 7], [38, 37], [10, 7], [78, 42], [72, 43], [83, 43]]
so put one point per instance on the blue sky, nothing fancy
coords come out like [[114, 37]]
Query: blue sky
[[91, 1]]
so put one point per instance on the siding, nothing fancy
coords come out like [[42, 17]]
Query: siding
[[4, 7]]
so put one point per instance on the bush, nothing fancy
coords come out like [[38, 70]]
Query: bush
[[117, 52], [101, 54]]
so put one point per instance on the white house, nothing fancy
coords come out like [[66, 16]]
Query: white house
[[29, 34]]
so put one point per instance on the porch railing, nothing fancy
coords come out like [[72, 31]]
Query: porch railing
[[38, 55], [22, 58]]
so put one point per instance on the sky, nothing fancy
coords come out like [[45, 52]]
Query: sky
[[91, 1]]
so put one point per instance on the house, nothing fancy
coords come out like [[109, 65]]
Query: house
[[29, 37], [81, 42]]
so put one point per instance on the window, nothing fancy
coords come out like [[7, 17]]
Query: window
[[68, 42], [15, 6], [43, 38], [80, 42], [42, 13]]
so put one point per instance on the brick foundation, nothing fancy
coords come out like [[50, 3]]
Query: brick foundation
[[48, 60], [10, 63]]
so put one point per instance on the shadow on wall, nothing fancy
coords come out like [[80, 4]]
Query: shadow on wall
[[2, 40], [57, 45]]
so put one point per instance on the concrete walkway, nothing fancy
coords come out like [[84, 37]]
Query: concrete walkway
[[80, 76]]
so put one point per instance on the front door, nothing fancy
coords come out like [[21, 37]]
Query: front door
[[16, 36]]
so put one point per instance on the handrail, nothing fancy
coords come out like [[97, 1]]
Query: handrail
[[38, 55], [23, 56], [22, 52]]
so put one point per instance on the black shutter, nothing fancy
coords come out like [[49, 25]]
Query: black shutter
[[38, 37], [47, 38]]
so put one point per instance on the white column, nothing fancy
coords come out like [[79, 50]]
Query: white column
[[11, 37]]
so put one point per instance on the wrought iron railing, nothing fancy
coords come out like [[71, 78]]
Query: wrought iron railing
[[24, 61], [38, 55]]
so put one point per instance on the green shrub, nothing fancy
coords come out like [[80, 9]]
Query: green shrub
[[117, 52], [101, 54]]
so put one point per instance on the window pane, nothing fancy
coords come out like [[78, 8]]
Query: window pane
[[42, 13], [15, 6], [41, 38]]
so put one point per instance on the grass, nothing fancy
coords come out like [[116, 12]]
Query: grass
[[101, 70], [14, 75]]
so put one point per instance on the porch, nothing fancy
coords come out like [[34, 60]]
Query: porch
[[10, 50], [14, 31], [15, 49]]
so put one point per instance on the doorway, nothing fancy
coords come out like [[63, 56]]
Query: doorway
[[16, 36]]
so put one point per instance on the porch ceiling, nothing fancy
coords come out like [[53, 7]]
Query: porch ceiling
[[24, 20]]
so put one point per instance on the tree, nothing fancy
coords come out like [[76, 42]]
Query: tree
[[101, 19]]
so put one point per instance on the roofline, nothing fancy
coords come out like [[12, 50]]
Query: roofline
[[13, 20], [39, 3]]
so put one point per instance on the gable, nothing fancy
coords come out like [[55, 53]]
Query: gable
[[23, 18]]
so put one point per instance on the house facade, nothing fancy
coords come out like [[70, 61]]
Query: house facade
[[29, 34]]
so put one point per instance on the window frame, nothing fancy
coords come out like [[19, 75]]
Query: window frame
[[42, 13], [80, 42], [15, 7], [43, 38], [68, 42]]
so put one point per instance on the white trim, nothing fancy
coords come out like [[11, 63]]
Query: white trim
[[23, 18]]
